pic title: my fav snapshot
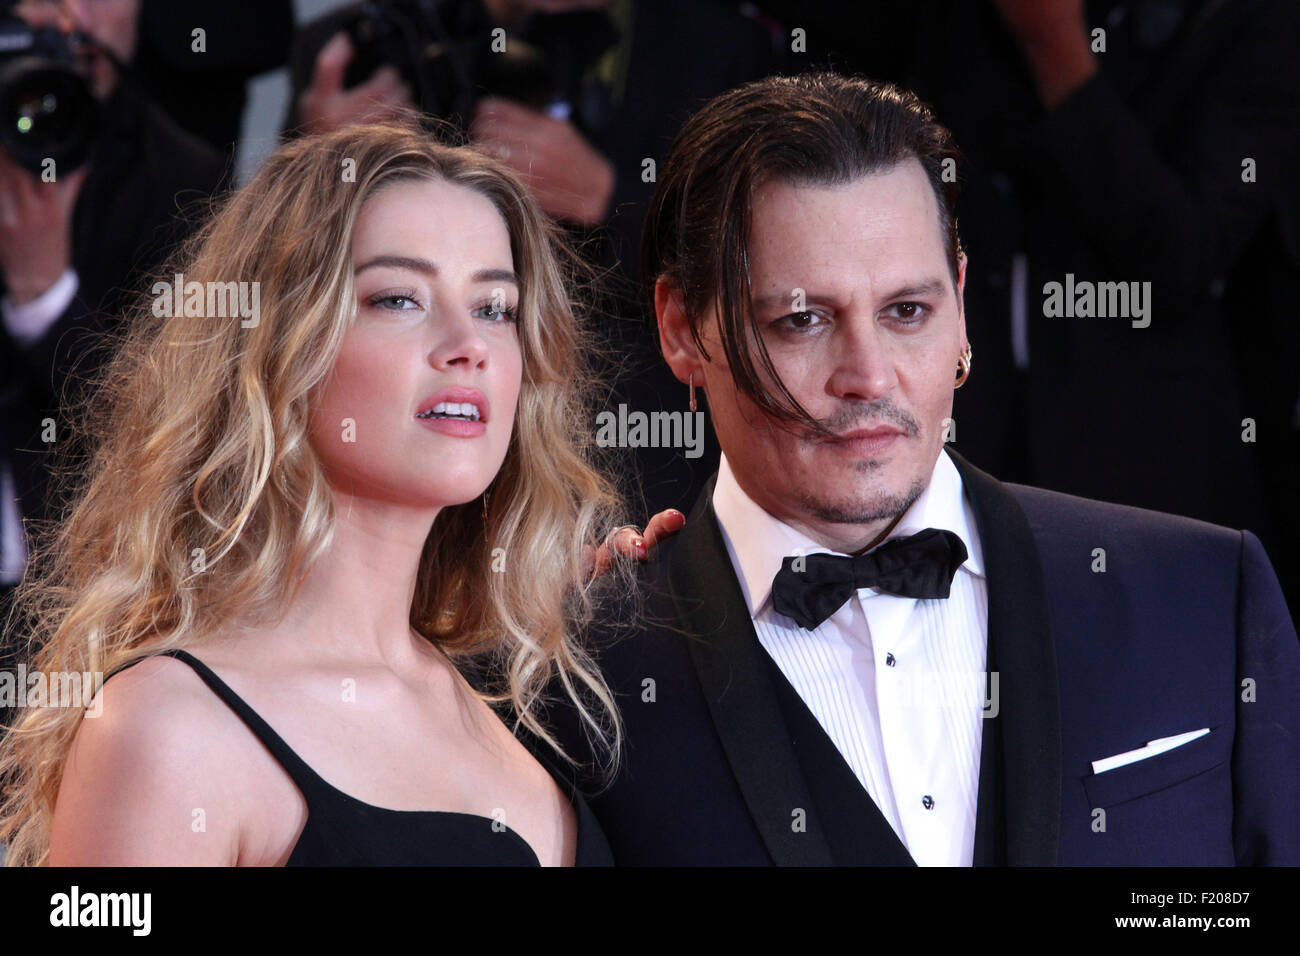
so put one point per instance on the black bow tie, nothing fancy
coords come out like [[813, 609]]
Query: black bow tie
[[810, 588]]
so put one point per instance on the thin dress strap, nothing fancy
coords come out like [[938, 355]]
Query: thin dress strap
[[307, 780]]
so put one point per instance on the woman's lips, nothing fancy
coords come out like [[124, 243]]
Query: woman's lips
[[457, 427]]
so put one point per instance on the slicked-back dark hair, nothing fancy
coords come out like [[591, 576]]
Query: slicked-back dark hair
[[815, 129]]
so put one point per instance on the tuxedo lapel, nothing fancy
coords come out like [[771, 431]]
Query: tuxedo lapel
[[1025, 744], [729, 662]]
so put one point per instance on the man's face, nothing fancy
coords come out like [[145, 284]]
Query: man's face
[[870, 351]]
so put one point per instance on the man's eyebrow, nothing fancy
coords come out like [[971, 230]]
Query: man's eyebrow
[[920, 289], [430, 269], [925, 287]]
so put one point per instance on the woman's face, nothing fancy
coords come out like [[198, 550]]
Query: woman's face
[[420, 406]]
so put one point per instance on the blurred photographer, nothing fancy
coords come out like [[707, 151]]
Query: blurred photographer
[[95, 184], [514, 94]]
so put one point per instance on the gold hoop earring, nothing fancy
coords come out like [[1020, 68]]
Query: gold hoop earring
[[692, 387], [964, 364]]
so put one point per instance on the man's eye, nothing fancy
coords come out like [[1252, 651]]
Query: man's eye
[[910, 312], [496, 313], [799, 321]]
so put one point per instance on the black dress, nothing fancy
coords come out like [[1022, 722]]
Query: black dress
[[343, 831]]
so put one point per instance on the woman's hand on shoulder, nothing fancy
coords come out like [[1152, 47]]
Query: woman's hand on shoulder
[[629, 541], [143, 784]]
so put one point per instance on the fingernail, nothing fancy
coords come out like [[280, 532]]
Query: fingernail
[[640, 546]]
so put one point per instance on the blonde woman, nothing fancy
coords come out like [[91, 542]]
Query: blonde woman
[[301, 526]]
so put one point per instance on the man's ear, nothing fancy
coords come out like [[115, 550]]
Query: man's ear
[[675, 339]]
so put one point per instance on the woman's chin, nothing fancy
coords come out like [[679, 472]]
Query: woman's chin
[[451, 496], [414, 495]]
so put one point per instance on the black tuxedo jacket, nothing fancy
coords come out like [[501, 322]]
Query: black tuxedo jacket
[[1185, 629]]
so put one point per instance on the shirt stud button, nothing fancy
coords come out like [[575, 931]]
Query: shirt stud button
[[891, 660], [928, 802]]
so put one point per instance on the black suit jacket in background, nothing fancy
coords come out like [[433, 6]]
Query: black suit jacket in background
[[1137, 176], [206, 92]]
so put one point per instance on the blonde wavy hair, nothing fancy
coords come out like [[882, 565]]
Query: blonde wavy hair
[[195, 435]]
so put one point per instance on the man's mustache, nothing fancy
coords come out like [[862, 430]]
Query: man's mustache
[[868, 414]]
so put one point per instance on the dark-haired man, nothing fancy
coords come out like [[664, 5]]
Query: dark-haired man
[[863, 650]]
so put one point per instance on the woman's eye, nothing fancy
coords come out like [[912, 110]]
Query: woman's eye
[[392, 301], [496, 313]]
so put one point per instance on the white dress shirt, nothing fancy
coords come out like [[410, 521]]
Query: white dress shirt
[[13, 547], [897, 683], [31, 320]]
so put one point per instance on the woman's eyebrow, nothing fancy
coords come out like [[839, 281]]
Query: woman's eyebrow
[[430, 269], [400, 262]]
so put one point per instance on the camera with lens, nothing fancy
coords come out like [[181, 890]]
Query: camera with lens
[[47, 110], [447, 69]]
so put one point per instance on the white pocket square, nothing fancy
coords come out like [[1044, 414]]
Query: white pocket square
[[1150, 750]]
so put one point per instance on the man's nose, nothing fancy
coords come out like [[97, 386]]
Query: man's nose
[[864, 365]]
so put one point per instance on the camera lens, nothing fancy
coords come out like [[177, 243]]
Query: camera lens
[[46, 112]]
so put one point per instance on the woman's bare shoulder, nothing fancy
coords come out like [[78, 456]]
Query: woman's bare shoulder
[[148, 776]]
